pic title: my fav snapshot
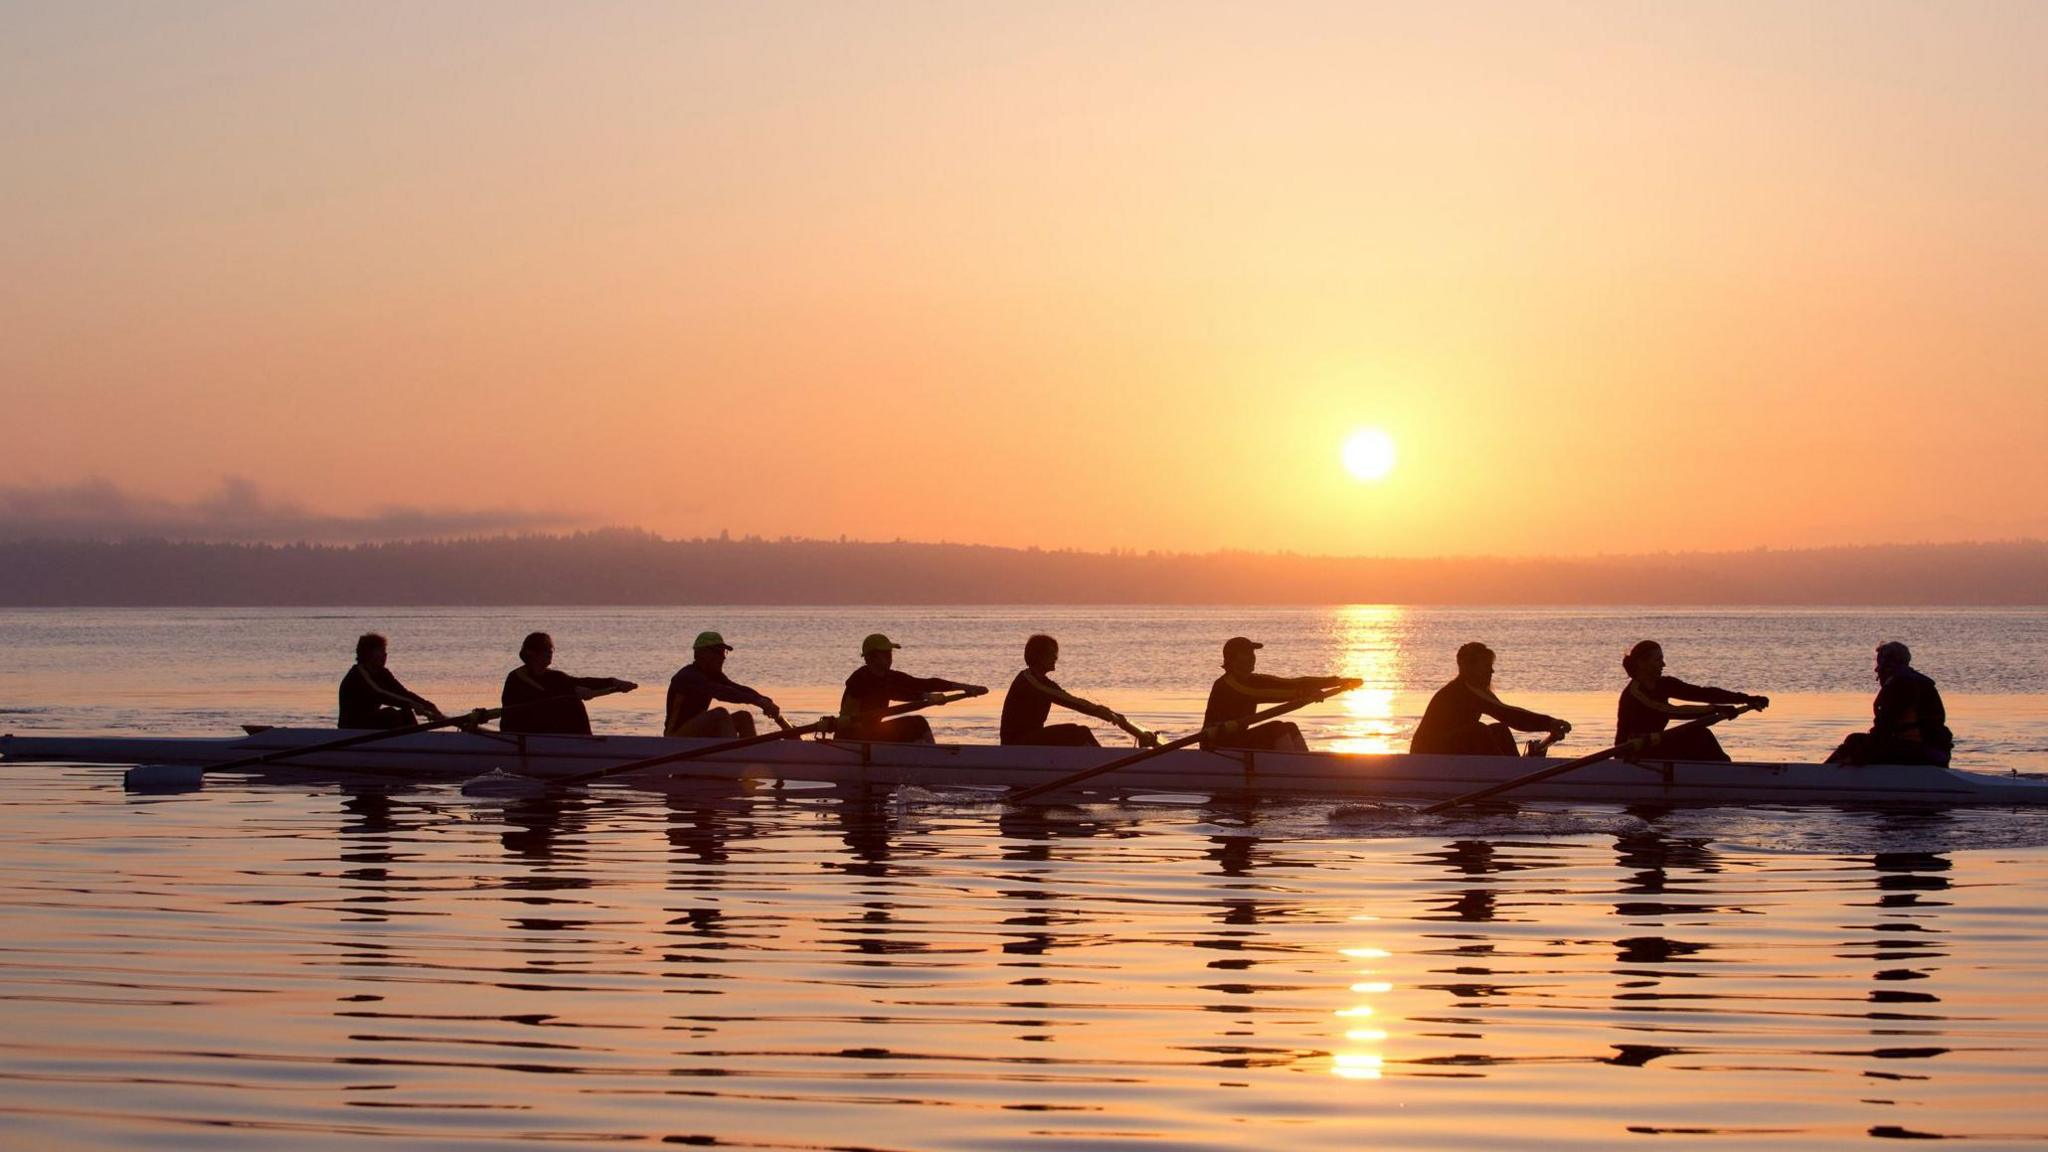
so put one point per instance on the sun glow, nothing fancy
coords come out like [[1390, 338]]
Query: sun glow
[[1369, 454]]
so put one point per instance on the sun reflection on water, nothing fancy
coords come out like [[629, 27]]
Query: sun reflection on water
[[1371, 635], [1364, 1059]]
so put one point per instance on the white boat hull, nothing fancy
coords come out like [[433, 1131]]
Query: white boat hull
[[452, 754]]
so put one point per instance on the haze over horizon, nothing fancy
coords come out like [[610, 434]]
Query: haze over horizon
[[239, 513], [1611, 279]]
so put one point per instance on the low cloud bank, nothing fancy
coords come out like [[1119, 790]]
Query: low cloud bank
[[238, 513]]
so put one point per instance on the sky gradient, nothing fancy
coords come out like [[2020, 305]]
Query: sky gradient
[[1615, 278]]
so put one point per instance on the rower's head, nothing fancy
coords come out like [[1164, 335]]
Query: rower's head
[[537, 650], [1475, 664], [1240, 654], [879, 651], [1646, 659], [709, 650], [1892, 656], [1041, 653], [371, 648]]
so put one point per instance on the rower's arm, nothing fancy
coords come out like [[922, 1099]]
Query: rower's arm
[[393, 690], [1705, 694], [1066, 699], [1266, 689], [730, 693], [406, 697], [1677, 688], [1520, 719]]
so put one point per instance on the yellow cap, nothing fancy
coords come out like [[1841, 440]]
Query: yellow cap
[[877, 643], [711, 640]]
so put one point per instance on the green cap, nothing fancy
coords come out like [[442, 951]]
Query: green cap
[[877, 643], [711, 640]]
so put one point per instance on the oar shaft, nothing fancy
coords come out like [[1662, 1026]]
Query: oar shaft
[[1137, 757], [477, 716], [750, 741], [1543, 774], [690, 754], [1529, 778], [351, 741]]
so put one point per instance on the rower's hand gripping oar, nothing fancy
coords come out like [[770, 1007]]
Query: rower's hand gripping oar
[[1210, 732], [1627, 748], [182, 776], [1144, 737], [822, 724]]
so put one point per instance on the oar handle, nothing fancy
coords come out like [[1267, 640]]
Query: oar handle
[[1208, 733], [1144, 738], [1625, 748]]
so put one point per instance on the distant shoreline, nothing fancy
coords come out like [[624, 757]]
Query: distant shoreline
[[635, 569]]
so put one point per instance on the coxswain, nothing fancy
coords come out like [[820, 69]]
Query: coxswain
[[692, 689], [1451, 725], [1909, 724], [1032, 695], [876, 684], [542, 701], [1646, 707], [1240, 691], [372, 697]]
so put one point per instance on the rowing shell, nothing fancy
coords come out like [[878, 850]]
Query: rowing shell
[[454, 754]]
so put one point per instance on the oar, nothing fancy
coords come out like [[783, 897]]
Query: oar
[[1630, 748], [1138, 757], [822, 724], [187, 776]]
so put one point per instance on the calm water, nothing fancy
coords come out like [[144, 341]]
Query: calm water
[[266, 965]]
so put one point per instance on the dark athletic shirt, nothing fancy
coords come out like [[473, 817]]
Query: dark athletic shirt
[[1026, 706], [1908, 707], [1453, 716], [363, 706], [1637, 717], [1234, 697], [691, 691], [557, 717]]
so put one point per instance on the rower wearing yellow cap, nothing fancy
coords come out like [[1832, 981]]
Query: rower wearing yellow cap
[[876, 684], [692, 689]]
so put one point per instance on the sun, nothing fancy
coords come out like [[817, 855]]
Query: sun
[[1369, 454]]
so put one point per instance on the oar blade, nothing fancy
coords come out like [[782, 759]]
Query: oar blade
[[498, 784], [164, 778]]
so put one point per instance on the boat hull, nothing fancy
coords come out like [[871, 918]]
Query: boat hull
[[452, 754]]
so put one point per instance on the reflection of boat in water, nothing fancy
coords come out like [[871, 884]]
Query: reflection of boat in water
[[457, 754]]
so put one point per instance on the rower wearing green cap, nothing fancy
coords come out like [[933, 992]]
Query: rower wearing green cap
[[1239, 692], [692, 689], [876, 684]]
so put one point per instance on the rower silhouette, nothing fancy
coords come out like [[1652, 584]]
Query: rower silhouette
[[541, 700], [1451, 725], [371, 695]]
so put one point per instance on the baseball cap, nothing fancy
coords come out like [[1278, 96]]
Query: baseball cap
[[711, 640], [1240, 644], [877, 643]]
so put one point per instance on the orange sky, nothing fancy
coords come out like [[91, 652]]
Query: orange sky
[[1615, 278]]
